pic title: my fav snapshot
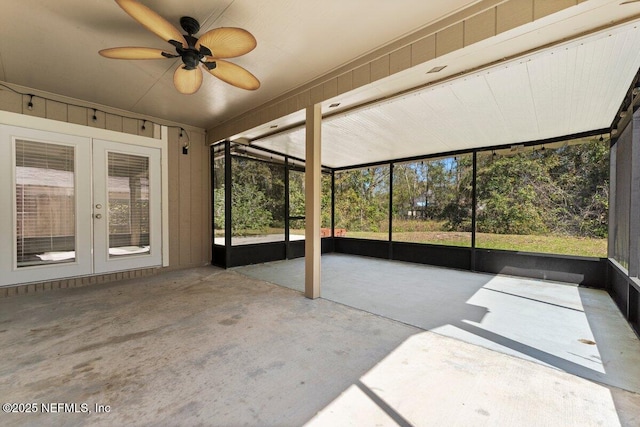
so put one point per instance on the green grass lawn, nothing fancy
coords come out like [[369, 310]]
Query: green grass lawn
[[564, 245], [553, 244]]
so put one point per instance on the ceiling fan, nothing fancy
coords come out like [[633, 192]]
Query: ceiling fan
[[196, 53]]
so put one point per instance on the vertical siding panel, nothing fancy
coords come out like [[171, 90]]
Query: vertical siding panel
[[400, 60], [130, 126], [114, 122], [303, 99], [513, 14], [330, 88], [10, 101], [316, 94], [184, 179], [361, 76], [77, 115], [380, 68], [480, 27], [423, 50], [56, 110], [345, 82], [174, 199], [450, 39], [206, 204], [196, 152]]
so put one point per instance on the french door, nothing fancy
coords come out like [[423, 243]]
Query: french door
[[126, 206], [73, 206]]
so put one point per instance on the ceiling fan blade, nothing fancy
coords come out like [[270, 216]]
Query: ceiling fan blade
[[227, 42], [233, 74], [134, 53], [152, 21], [187, 81]]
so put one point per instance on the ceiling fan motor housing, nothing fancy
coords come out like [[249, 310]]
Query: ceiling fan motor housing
[[191, 56], [191, 59]]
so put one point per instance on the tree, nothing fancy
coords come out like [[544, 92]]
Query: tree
[[560, 191], [248, 211], [362, 199], [510, 202]]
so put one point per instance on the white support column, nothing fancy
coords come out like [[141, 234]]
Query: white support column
[[312, 203]]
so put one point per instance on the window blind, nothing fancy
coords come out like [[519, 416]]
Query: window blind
[[45, 203], [128, 189]]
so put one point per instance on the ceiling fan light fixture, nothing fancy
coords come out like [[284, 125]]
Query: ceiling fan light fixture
[[187, 81], [226, 42]]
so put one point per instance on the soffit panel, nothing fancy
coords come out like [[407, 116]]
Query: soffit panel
[[571, 88]]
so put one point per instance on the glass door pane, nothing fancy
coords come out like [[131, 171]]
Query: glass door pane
[[128, 193], [45, 203]]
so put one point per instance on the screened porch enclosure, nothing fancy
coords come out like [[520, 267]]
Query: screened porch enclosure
[[517, 168], [447, 210]]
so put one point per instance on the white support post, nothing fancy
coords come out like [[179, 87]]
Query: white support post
[[313, 188]]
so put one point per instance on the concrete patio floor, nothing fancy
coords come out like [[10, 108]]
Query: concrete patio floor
[[212, 347]]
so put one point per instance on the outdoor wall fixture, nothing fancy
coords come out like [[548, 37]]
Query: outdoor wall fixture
[[185, 147], [30, 104], [95, 117]]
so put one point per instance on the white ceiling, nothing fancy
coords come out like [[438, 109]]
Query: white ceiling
[[572, 87], [53, 46]]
